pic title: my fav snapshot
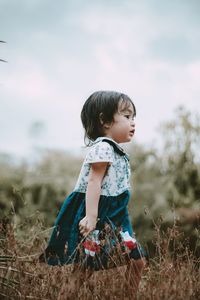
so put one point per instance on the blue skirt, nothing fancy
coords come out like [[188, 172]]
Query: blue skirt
[[64, 246]]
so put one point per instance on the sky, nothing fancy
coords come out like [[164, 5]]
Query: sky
[[60, 52]]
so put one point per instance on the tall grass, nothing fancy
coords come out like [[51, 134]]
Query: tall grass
[[173, 272]]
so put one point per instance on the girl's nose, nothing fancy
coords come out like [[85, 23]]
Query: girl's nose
[[133, 122]]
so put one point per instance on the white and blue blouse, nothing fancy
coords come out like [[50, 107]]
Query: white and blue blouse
[[117, 177]]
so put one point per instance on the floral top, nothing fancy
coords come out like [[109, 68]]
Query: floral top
[[117, 177]]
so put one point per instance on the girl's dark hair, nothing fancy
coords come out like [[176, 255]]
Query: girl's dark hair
[[101, 107]]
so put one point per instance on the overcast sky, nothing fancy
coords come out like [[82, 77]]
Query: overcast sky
[[59, 52]]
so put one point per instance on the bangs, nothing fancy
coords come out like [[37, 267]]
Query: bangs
[[125, 104]]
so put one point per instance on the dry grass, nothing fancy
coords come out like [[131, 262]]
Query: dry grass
[[172, 274]]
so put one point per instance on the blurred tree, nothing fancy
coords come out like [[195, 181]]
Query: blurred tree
[[42, 187], [181, 169], [181, 159], [148, 199], [167, 179]]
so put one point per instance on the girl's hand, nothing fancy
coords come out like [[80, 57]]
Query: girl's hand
[[87, 224]]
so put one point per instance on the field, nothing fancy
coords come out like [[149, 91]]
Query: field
[[173, 273]]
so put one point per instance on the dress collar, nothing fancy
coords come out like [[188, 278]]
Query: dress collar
[[109, 139]]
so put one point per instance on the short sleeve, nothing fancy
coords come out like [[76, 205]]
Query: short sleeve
[[101, 152]]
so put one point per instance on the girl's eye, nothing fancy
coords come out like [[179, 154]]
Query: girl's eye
[[130, 117]]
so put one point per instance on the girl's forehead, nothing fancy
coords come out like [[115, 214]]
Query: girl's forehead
[[126, 106]]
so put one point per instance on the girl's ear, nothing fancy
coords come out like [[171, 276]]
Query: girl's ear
[[101, 119]]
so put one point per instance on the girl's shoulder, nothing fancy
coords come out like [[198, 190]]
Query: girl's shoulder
[[100, 151], [104, 150]]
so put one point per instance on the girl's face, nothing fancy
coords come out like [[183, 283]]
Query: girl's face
[[122, 129]]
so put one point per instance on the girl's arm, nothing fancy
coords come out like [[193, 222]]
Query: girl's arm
[[93, 192]]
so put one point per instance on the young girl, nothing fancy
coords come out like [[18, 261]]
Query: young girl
[[94, 219]]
